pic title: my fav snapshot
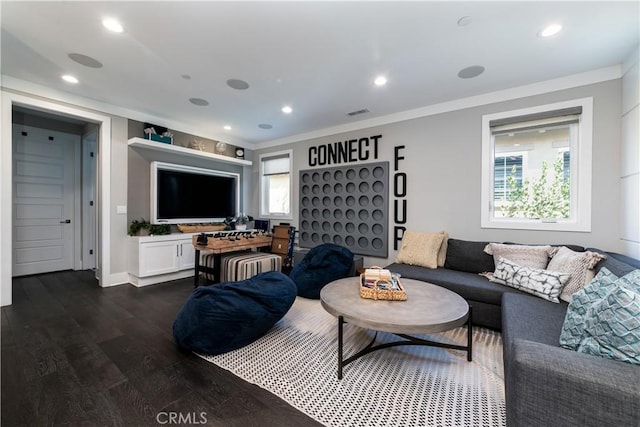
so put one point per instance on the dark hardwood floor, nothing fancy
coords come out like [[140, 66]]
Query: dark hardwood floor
[[79, 355]]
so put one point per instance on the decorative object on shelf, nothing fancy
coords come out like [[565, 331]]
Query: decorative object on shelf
[[239, 153], [157, 133], [221, 147], [196, 144], [142, 227], [241, 221]]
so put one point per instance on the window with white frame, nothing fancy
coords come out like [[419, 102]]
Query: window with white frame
[[276, 184], [536, 170]]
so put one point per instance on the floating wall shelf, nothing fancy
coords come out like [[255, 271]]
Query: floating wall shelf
[[175, 150]]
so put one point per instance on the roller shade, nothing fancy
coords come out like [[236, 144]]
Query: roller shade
[[540, 120], [275, 165]]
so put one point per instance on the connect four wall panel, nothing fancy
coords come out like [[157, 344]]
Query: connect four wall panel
[[346, 205]]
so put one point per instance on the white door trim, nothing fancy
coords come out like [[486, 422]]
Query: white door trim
[[9, 99]]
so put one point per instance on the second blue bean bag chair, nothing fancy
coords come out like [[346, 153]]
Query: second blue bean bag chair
[[321, 265]]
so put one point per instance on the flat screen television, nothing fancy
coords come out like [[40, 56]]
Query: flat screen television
[[185, 194]]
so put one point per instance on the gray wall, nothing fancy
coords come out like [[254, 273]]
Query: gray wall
[[443, 166]]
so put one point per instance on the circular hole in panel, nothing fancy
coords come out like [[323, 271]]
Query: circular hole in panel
[[338, 201], [377, 243], [315, 177], [326, 189], [304, 224], [363, 214], [305, 213], [363, 187], [363, 228], [378, 172], [337, 240], [350, 227], [316, 189], [378, 187], [338, 175], [315, 237], [315, 225], [326, 201], [351, 187], [305, 201], [305, 177], [305, 236], [337, 227], [377, 215], [326, 238], [363, 200], [337, 214], [351, 214], [351, 201], [326, 176], [326, 226], [315, 213], [377, 229], [364, 173], [326, 213], [362, 242], [351, 174], [315, 202], [305, 189], [350, 241], [378, 201], [337, 188]]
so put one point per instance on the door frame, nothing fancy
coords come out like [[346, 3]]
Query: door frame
[[9, 100]]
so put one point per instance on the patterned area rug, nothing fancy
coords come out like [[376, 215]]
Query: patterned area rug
[[401, 386]]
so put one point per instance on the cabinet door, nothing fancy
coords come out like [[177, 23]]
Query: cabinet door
[[158, 258], [187, 255]]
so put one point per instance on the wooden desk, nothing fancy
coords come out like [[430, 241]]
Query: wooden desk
[[225, 243]]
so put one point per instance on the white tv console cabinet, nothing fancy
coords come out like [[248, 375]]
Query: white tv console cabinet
[[155, 259]]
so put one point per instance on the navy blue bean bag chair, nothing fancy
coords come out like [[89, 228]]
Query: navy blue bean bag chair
[[321, 265], [223, 317]]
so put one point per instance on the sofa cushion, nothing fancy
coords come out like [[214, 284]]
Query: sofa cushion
[[321, 265], [612, 327], [469, 286], [219, 318], [541, 283], [464, 255], [533, 319], [423, 249], [524, 255], [579, 264]]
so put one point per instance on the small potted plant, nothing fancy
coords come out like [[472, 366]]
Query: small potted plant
[[142, 227], [241, 221]]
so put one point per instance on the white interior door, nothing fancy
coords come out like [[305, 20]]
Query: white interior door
[[43, 200]]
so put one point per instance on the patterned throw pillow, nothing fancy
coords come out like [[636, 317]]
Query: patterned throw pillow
[[541, 283], [423, 249], [613, 327], [579, 264], [523, 255], [573, 328]]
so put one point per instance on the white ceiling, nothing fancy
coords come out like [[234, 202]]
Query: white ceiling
[[318, 57]]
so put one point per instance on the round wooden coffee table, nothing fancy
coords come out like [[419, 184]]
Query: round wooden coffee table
[[428, 309]]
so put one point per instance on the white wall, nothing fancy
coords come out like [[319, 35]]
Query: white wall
[[630, 169], [442, 161]]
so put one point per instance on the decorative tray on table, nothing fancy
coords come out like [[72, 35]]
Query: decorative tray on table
[[379, 284]]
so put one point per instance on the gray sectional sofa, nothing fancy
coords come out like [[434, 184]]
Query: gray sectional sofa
[[545, 384]]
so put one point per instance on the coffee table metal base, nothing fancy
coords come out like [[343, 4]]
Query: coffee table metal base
[[408, 340]]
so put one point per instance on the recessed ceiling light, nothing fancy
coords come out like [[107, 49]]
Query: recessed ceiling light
[[85, 60], [470, 72], [227, 127], [69, 78], [550, 30], [380, 81], [287, 110], [199, 102], [237, 84], [112, 25]]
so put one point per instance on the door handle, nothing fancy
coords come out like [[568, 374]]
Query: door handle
[[66, 221]]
